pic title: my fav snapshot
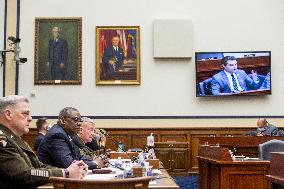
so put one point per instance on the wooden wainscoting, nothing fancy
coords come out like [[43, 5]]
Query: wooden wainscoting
[[136, 138]]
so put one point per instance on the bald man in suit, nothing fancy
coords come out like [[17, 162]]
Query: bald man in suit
[[266, 129]]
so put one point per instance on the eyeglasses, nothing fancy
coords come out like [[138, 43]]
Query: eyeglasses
[[75, 119]]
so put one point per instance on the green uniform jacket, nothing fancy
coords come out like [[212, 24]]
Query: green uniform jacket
[[85, 151], [19, 165]]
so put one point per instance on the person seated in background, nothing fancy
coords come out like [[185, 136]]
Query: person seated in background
[[265, 129], [19, 165], [42, 127], [57, 147], [87, 130], [232, 79], [98, 142]]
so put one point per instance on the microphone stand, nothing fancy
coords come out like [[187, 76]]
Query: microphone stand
[[133, 159]]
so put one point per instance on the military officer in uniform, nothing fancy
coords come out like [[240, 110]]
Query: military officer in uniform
[[19, 165], [87, 130]]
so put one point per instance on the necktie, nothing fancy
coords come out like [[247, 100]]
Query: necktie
[[234, 82]]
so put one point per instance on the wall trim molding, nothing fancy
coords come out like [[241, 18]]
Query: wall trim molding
[[170, 117]]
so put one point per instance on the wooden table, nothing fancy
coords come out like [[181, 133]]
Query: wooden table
[[164, 182], [217, 170], [244, 145]]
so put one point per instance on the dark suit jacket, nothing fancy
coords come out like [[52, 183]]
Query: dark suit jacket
[[57, 54], [38, 139], [57, 149], [270, 130], [117, 55], [220, 82], [19, 165]]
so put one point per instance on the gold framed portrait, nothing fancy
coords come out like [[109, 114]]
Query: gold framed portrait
[[58, 51], [118, 55]]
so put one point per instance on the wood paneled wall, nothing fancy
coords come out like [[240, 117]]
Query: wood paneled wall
[[136, 138]]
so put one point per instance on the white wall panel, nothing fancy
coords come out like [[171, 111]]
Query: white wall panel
[[167, 85]]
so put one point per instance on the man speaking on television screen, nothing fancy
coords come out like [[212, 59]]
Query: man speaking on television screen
[[233, 80]]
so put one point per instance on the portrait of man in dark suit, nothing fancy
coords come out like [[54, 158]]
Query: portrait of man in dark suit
[[57, 55], [118, 55], [114, 52], [58, 51]]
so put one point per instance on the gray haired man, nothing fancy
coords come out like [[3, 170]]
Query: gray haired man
[[19, 165]]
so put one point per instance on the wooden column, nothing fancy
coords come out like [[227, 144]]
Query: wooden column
[[11, 30]]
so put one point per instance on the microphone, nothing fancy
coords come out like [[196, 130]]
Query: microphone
[[117, 144], [102, 131], [102, 134]]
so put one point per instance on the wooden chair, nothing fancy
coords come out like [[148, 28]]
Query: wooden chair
[[129, 183]]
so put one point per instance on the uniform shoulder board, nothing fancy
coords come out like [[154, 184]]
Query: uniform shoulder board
[[39, 173], [3, 139]]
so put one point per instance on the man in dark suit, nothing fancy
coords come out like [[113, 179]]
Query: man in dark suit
[[57, 147], [42, 127], [57, 55], [113, 53], [233, 80], [19, 165]]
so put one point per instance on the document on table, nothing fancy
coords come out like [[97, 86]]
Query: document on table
[[99, 176]]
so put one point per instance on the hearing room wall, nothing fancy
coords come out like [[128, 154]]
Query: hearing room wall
[[167, 85]]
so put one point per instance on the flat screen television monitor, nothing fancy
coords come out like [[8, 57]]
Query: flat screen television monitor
[[233, 73]]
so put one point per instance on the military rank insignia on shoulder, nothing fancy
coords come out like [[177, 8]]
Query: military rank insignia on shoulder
[[39, 173], [3, 139]]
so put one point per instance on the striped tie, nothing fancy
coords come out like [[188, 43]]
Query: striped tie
[[234, 83]]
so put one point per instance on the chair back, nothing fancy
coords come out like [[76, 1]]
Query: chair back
[[128, 183], [270, 146], [204, 87]]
